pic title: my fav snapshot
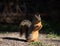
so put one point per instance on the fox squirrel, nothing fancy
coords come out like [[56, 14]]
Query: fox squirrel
[[33, 28]]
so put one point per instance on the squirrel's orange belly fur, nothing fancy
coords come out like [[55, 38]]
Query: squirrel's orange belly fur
[[35, 32]]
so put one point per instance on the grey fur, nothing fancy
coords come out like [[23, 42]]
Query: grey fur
[[25, 22]]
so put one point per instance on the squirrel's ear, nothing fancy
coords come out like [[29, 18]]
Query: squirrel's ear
[[38, 17]]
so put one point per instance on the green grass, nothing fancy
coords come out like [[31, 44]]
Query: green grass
[[35, 43], [46, 27], [50, 26], [40, 44], [52, 35]]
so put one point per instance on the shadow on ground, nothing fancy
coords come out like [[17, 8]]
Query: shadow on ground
[[16, 39], [56, 40]]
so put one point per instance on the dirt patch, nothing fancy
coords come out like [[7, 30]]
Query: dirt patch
[[13, 39]]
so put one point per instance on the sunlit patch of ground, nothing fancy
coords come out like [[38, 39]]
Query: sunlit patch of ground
[[13, 39]]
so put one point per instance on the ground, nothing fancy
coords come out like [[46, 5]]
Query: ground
[[13, 39]]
